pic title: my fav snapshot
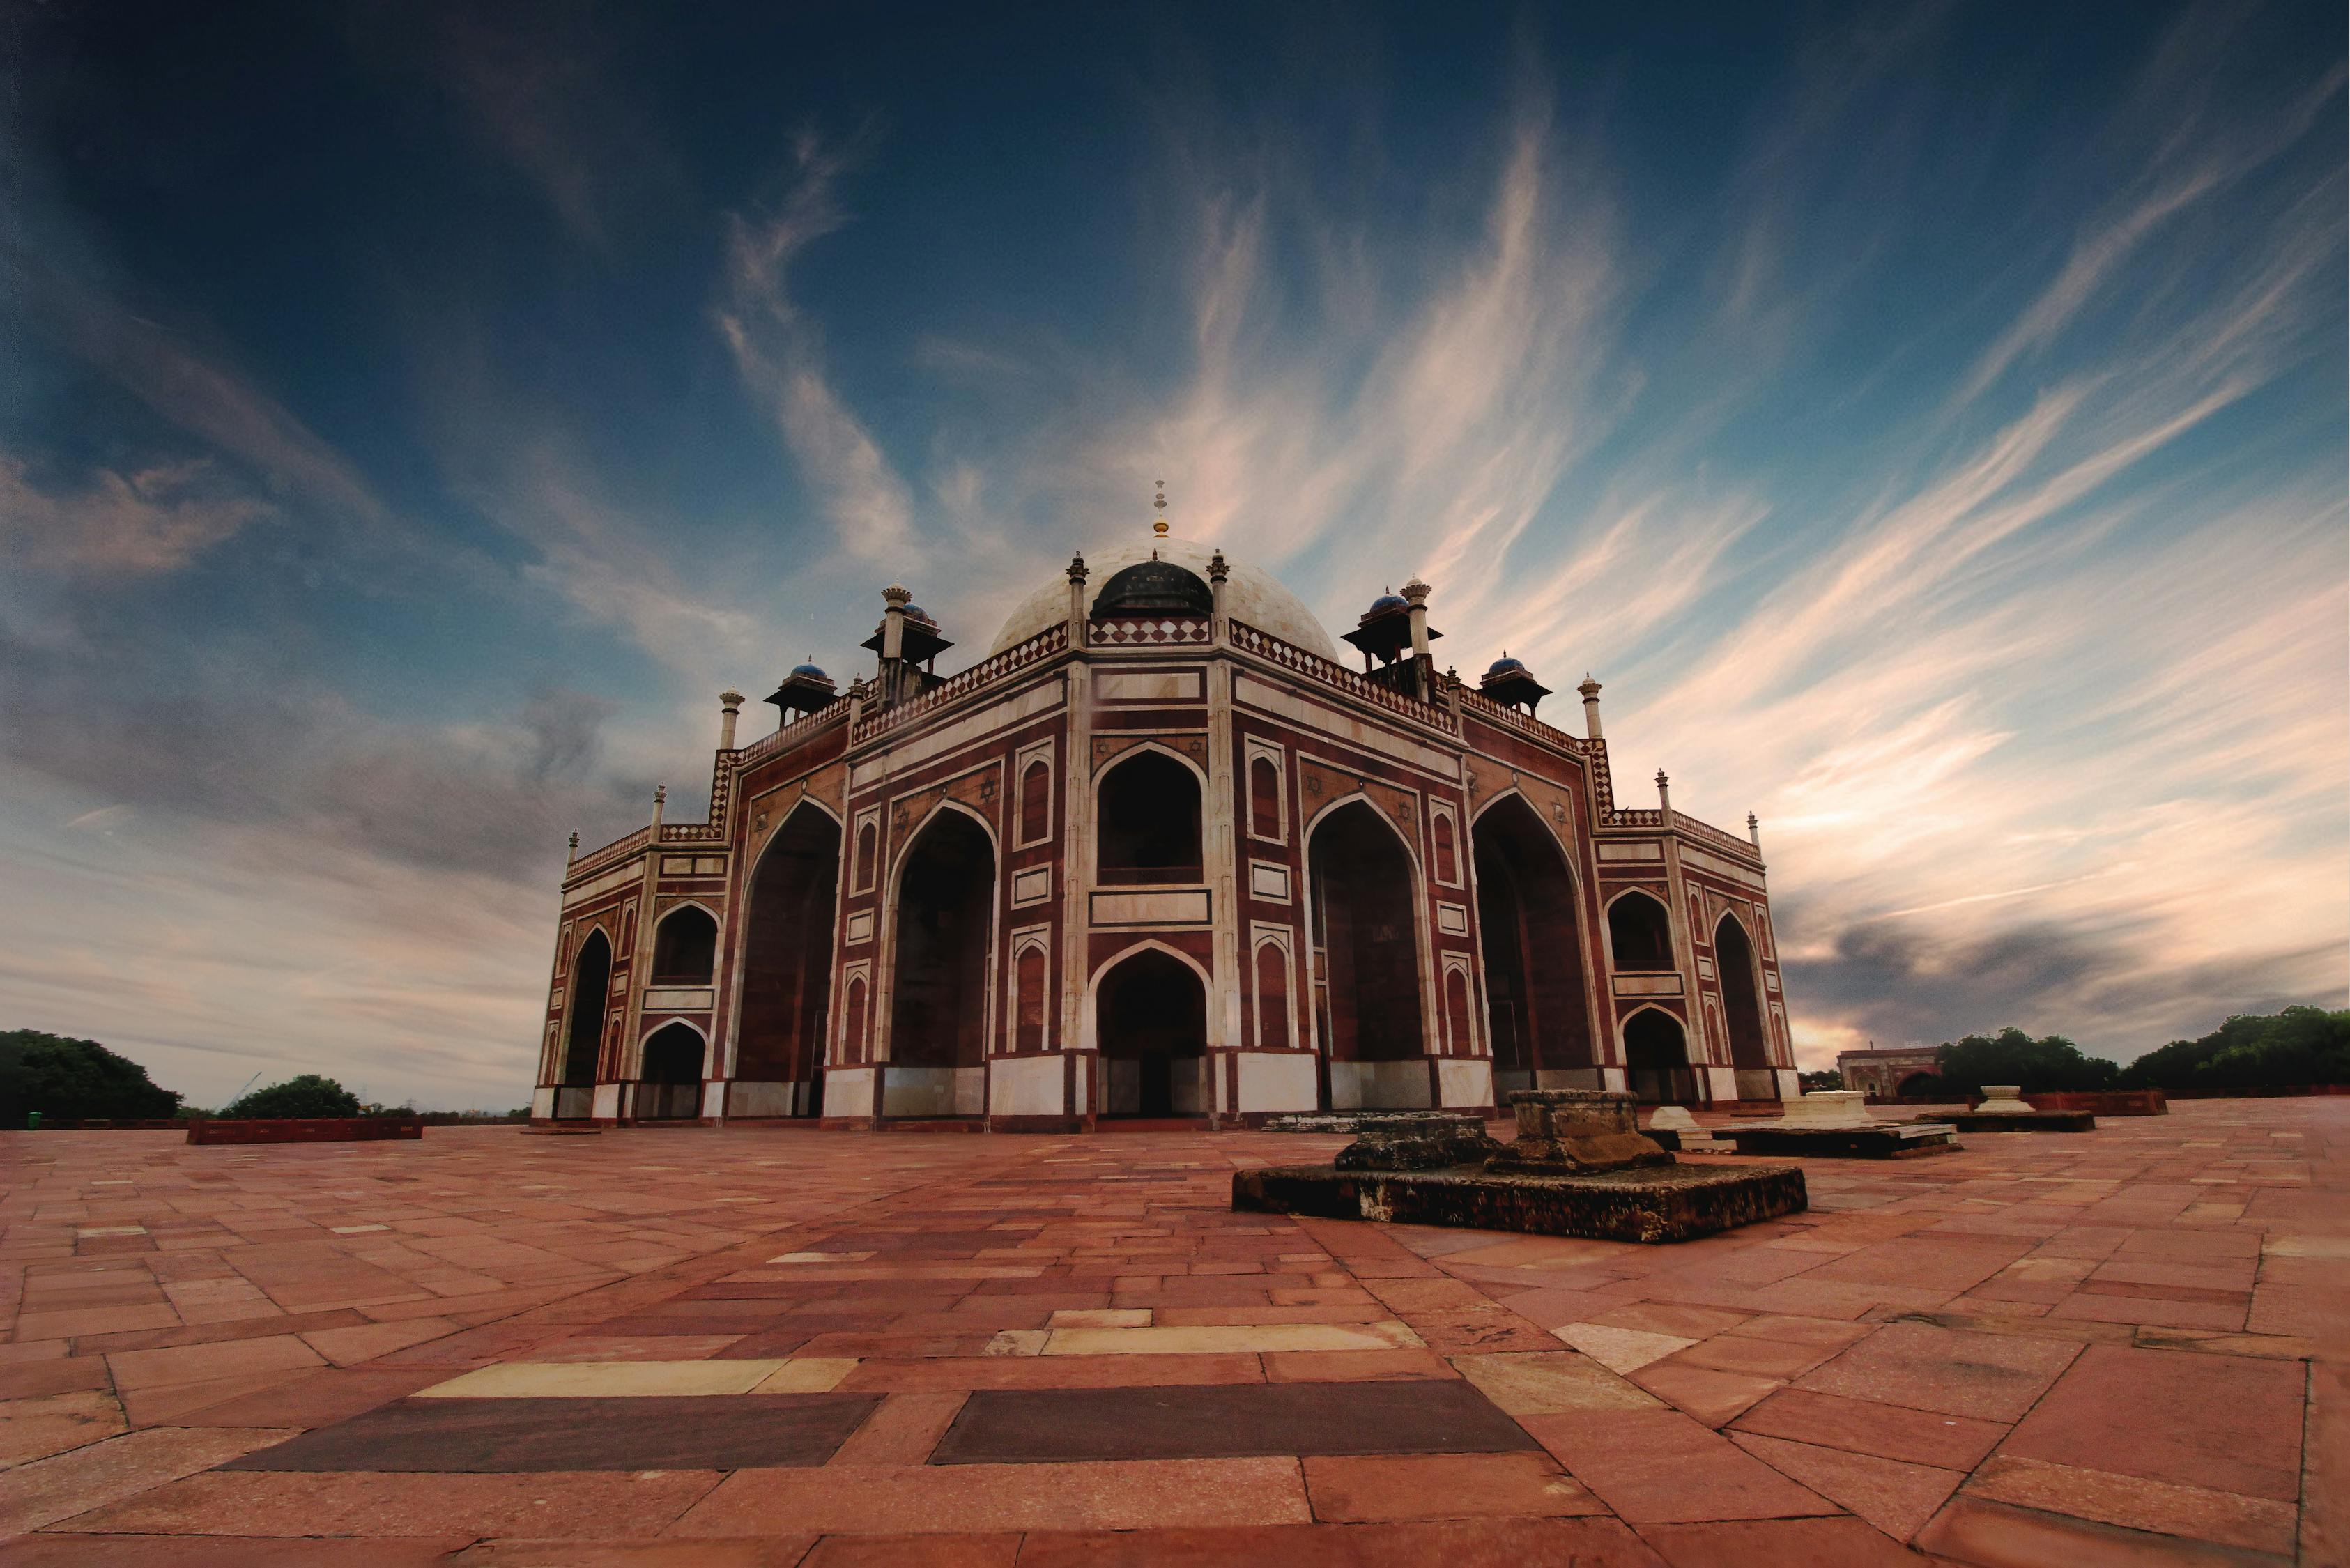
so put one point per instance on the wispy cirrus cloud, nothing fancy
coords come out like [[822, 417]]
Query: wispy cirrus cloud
[[156, 519], [779, 353]]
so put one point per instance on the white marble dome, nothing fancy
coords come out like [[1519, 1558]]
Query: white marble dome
[[1249, 594]]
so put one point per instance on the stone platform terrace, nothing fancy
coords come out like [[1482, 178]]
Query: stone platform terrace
[[744, 1347]]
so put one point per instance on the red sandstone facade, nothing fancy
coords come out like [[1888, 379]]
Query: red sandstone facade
[[1158, 855]]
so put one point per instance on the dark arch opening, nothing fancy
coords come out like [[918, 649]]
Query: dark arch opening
[[1640, 932], [591, 995], [1536, 999], [1656, 1052], [1151, 821], [685, 947], [937, 1012], [1365, 979], [669, 1086], [1733, 955], [1151, 1020], [787, 970]]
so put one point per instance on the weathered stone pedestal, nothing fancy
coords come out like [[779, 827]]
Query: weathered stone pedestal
[[1580, 1166], [1835, 1124]]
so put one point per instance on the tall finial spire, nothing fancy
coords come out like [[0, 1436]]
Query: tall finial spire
[[1158, 502]]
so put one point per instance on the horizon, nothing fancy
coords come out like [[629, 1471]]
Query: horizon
[[1931, 430]]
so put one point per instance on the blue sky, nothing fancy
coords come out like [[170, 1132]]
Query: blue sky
[[1929, 423]]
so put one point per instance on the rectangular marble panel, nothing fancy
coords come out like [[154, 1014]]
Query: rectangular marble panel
[[1465, 1083], [1647, 985], [1033, 886], [1452, 919], [1631, 851], [1026, 1087], [1150, 686], [1267, 880], [1171, 907], [1276, 1081]]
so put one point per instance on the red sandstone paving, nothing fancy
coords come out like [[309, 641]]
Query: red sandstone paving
[[2091, 1348]]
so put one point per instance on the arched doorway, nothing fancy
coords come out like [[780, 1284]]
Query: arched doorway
[[1365, 977], [937, 1001], [1640, 934], [685, 947], [592, 994], [670, 1083], [1656, 1052], [1149, 821], [1742, 1004], [787, 970], [1151, 1020], [1537, 1001]]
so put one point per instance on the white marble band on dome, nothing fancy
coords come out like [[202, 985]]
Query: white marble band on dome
[[1249, 594]]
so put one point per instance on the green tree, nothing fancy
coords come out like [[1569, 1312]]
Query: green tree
[[74, 1080], [308, 1096], [2051, 1064], [2252, 1050], [1830, 1079]]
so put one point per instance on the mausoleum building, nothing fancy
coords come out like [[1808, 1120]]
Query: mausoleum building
[[1160, 853]]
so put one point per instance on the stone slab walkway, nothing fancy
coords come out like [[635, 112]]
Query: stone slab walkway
[[779, 1347]]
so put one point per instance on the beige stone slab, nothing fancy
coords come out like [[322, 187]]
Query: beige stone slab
[[1231, 1338], [603, 1379], [1102, 1317], [1018, 1342], [1551, 1383], [821, 1258], [1621, 1349], [807, 1374]]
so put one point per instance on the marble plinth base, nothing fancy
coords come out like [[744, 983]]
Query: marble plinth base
[[2020, 1121], [1644, 1203], [1873, 1140]]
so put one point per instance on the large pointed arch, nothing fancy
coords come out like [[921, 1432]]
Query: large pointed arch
[[1655, 1046], [784, 961], [1639, 933], [1368, 957], [1539, 1002], [685, 944], [939, 920], [1741, 972], [1147, 1010], [1149, 817], [583, 1021], [672, 1063]]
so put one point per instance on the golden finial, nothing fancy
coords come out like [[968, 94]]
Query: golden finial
[[1159, 523]]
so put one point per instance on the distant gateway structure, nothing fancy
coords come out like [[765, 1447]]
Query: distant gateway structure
[[1158, 855]]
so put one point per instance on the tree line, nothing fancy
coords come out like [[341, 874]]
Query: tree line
[[2296, 1047], [68, 1080]]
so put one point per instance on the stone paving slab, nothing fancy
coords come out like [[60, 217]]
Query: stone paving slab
[[750, 1348]]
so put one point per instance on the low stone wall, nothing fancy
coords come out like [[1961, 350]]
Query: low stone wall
[[305, 1129]]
